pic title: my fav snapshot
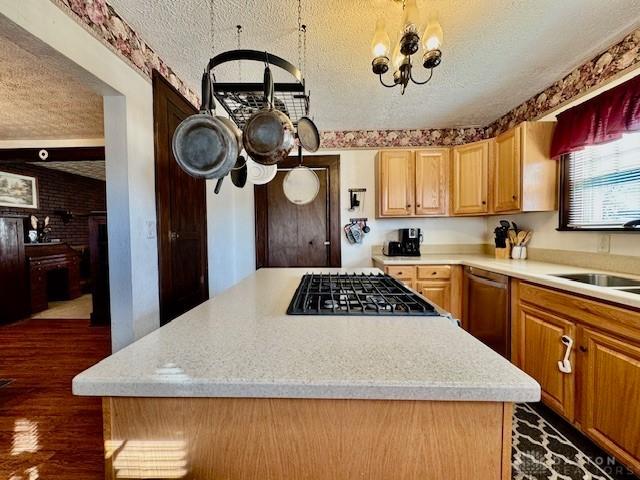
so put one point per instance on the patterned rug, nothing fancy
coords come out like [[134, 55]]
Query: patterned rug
[[541, 452]]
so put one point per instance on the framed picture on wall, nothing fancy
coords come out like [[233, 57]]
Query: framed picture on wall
[[18, 191]]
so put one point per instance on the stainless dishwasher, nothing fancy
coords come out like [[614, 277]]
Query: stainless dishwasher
[[485, 309]]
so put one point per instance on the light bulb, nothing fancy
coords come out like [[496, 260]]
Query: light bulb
[[411, 18], [380, 44], [410, 42], [433, 36]]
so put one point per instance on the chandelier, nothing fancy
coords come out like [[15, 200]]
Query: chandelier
[[408, 45]]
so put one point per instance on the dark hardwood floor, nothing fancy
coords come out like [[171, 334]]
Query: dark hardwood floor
[[46, 432]]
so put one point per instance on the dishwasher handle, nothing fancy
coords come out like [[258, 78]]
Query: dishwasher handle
[[488, 278]]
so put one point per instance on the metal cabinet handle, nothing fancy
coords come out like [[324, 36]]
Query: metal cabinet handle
[[564, 365]]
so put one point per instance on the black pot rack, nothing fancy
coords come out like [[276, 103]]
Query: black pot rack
[[242, 100]]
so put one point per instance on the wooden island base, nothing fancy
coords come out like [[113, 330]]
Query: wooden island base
[[269, 439]]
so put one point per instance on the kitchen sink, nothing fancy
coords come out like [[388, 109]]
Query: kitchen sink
[[602, 280], [631, 290]]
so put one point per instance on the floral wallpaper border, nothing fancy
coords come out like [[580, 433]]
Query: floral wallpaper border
[[596, 71], [614, 60], [100, 19]]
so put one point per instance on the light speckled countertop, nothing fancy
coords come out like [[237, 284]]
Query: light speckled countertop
[[243, 344], [530, 270]]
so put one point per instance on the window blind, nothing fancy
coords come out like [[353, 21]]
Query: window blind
[[604, 184]]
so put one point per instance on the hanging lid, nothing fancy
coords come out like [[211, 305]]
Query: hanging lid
[[301, 185]]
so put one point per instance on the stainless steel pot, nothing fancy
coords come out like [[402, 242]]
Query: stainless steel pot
[[269, 135], [203, 145]]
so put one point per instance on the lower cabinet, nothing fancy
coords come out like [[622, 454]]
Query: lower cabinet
[[441, 284], [541, 349], [611, 394], [438, 291], [600, 394]]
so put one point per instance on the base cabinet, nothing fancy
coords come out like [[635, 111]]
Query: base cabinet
[[438, 291], [541, 349], [440, 284], [611, 394], [601, 393]]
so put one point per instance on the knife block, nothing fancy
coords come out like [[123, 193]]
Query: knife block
[[504, 252]]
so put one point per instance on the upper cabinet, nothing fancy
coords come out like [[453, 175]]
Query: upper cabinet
[[506, 167], [432, 182], [470, 180], [525, 177], [412, 183], [510, 173], [396, 183]]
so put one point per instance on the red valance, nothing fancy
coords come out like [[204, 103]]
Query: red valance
[[599, 120]]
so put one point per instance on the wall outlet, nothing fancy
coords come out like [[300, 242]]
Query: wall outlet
[[604, 243], [150, 229]]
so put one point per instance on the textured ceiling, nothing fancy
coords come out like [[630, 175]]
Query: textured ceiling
[[91, 169], [39, 100], [497, 53]]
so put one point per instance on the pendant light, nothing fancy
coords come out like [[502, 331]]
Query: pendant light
[[408, 44]]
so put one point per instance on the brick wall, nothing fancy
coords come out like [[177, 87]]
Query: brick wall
[[61, 191]]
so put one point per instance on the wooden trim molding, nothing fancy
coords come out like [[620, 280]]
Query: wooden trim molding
[[57, 154]]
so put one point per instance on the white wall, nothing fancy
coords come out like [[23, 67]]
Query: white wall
[[357, 170], [231, 235], [545, 235]]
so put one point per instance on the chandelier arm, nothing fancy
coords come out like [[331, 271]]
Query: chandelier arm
[[384, 84], [426, 81]]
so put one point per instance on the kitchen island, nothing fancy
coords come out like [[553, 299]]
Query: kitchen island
[[236, 388]]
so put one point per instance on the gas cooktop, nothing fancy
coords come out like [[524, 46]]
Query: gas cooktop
[[356, 294]]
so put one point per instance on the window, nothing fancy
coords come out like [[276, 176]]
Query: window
[[601, 185]]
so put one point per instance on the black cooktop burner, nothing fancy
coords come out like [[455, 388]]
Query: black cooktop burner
[[356, 294]]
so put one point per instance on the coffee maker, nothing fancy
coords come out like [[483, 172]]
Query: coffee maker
[[407, 246], [410, 240]]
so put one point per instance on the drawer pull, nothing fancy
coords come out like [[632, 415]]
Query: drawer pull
[[399, 273], [564, 365]]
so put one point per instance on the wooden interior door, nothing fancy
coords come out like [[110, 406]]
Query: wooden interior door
[[432, 182], [540, 350], [611, 394], [181, 210], [290, 235], [14, 288], [396, 183], [471, 179], [507, 174]]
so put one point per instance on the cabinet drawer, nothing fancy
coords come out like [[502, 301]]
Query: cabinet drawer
[[434, 271], [402, 271]]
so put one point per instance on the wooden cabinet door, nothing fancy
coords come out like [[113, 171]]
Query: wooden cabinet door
[[540, 349], [437, 291], [507, 171], [611, 394], [471, 178], [432, 182], [396, 183]]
